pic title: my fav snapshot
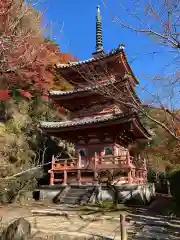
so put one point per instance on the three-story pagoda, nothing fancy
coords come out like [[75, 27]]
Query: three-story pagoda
[[103, 122]]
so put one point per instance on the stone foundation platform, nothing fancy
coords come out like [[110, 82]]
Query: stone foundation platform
[[83, 194]]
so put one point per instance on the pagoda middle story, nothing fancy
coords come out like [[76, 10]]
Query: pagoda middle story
[[101, 127]]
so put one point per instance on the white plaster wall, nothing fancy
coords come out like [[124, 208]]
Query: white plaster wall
[[141, 193]]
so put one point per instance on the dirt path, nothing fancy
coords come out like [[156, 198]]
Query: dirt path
[[74, 223], [80, 224]]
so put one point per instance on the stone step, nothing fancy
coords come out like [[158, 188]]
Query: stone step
[[79, 189], [78, 194], [74, 200], [70, 201], [77, 198], [82, 187]]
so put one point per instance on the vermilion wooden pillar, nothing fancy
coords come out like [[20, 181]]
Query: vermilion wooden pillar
[[129, 176], [95, 169], [128, 158], [65, 177], [101, 157], [51, 177], [52, 171], [79, 169], [133, 174], [114, 152]]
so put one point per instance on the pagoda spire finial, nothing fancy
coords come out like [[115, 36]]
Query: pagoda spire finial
[[99, 40]]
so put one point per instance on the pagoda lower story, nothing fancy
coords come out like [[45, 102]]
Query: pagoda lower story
[[102, 151]]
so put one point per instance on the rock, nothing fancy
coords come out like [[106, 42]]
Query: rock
[[20, 229], [128, 219]]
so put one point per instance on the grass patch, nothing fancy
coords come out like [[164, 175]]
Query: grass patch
[[102, 207], [107, 204]]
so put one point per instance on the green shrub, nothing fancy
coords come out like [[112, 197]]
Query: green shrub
[[151, 175], [12, 189], [174, 178]]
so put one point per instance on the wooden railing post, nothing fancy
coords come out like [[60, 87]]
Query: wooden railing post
[[123, 227]]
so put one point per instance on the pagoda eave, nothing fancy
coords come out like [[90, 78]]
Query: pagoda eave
[[141, 130], [84, 96], [86, 123], [116, 122], [94, 88], [70, 95], [67, 70]]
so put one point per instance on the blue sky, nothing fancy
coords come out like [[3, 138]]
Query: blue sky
[[78, 34]]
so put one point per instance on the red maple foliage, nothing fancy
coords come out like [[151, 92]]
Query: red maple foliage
[[26, 58]]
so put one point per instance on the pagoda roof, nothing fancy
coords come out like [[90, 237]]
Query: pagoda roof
[[102, 56], [76, 90], [93, 59], [108, 118], [82, 89], [63, 96], [82, 121]]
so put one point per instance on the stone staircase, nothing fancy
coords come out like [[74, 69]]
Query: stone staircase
[[78, 195]]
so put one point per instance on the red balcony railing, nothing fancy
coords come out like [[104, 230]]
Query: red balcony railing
[[96, 164], [108, 161]]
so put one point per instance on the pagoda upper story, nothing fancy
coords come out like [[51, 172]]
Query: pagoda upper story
[[98, 68], [96, 80]]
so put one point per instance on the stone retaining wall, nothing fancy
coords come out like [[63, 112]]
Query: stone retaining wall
[[141, 193]]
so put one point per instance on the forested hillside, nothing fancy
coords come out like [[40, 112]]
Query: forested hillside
[[26, 74], [163, 150]]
